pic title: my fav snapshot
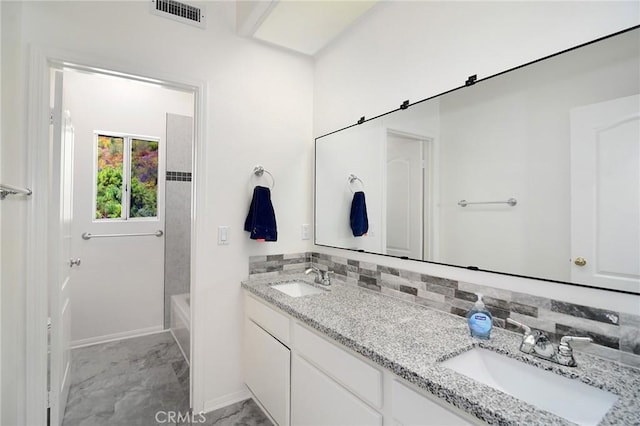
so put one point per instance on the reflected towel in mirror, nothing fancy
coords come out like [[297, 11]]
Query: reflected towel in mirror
[[358, 217], [261, 219]]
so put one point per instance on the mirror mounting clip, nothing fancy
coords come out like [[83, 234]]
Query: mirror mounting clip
[[471, 80]]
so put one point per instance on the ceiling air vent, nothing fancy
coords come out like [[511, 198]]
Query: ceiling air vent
[[179, 11]]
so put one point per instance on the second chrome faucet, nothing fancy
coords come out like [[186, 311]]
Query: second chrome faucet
[[538, 344]]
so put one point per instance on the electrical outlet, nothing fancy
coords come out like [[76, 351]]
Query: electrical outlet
[[305, 231]]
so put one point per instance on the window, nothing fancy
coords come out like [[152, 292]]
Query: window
[[126, 176]]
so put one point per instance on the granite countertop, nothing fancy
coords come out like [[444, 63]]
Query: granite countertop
[[411, 340]]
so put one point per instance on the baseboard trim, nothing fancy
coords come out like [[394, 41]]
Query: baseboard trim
[[228, 399], [117, 336]]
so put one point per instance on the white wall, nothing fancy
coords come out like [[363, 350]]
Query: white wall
[[258, 111], [119, 287], [12, 211], [412, 50]]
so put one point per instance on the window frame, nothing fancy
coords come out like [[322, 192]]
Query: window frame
[[126, 177]]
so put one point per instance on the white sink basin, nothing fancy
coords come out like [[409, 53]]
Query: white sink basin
[[571, 399], [297, 288]]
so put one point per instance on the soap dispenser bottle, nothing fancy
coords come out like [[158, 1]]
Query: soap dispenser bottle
[[480, 320]]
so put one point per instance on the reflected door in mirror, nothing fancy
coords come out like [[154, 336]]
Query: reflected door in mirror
[[605, 173]]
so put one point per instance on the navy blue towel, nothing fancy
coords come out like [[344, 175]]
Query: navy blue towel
[[358, 216], [261, 219]]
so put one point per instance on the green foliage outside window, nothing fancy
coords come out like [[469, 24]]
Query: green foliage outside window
[[109, 179], [143, 164], [109, 196], [144, 178]]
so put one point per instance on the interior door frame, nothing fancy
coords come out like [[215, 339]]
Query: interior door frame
[[39, 231]]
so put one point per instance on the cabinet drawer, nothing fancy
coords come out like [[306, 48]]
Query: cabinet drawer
[[274, 322], [317, 400], [355, 374], [408, 407]]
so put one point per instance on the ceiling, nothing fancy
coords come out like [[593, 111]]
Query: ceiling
[[299, 25]]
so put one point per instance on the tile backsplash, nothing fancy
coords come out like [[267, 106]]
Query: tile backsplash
[[616, 336]]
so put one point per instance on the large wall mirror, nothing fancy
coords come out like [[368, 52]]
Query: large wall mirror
[[533, 172]]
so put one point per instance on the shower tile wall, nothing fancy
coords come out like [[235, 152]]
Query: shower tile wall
[[177, 251]]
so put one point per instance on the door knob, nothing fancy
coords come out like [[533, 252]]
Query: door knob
[[74, 262], [580, 261]]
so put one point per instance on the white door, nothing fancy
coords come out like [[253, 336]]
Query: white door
[[404, 191], [119, 290], [605, 194], [60, 249]]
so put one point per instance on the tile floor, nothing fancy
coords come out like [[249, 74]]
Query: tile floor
[[128, 382], [243, 413]]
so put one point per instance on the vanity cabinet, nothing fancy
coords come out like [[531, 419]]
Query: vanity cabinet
[[301, 377]]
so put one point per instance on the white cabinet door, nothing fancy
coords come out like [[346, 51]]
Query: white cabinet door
[[267, 369], [411, 408], [351, 372], [317, 400]]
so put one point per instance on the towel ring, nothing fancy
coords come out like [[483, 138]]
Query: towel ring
[[260, 171], [352, 178]]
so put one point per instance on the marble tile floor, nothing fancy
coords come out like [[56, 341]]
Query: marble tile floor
[[127, 382], [243, 413]]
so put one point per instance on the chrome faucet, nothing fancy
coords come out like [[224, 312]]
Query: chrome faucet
[[322, 277], [538, 344]]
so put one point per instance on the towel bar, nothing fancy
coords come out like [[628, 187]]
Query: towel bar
[[511, 201], [88, 236], [12, 190]]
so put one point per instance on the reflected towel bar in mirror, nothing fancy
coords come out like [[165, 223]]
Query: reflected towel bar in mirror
[[352, 178], [511, 202]]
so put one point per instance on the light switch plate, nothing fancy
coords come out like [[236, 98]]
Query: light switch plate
[[223, 235]]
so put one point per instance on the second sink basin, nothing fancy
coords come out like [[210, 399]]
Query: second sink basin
[[297, 288], [570, 399]]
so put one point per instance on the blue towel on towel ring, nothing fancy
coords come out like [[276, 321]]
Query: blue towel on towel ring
[[261, 219], [358, 217]]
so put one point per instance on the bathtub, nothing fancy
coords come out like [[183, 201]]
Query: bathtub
[[180, 322]]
